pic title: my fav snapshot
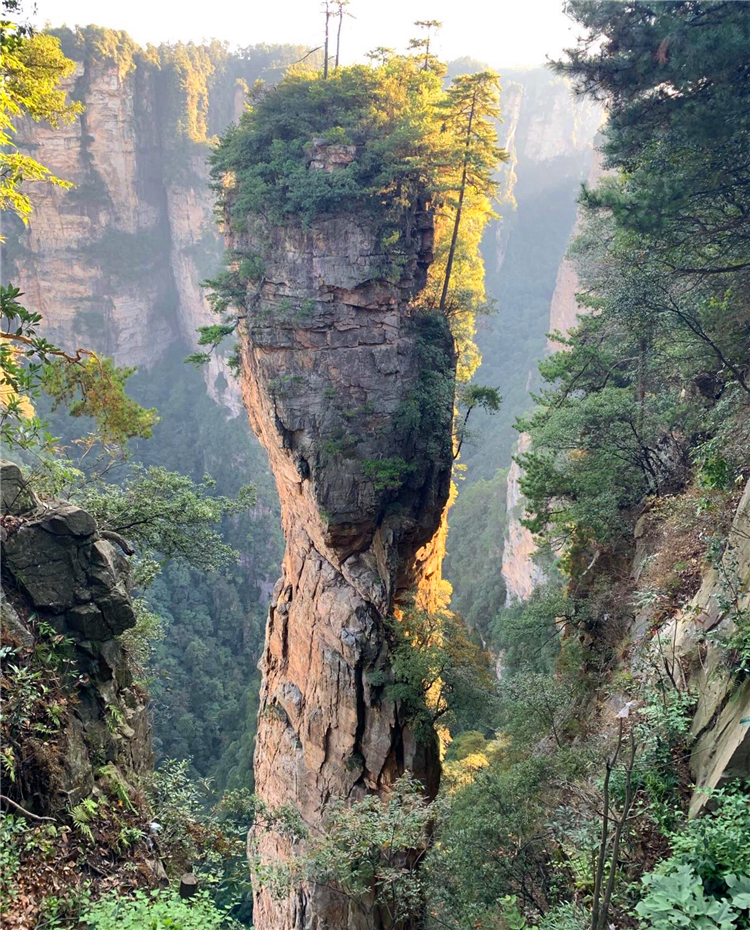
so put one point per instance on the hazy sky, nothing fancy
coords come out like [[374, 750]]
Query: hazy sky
[[504, 33]]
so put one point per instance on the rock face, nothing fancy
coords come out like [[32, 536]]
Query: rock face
[[520, 572], [334, 366], [57, 570], [115, 264], [721, 724]]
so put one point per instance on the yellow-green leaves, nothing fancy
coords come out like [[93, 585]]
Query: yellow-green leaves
[[32, 69]]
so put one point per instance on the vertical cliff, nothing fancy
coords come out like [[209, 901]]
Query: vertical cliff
[[334, 359], [521, 572], [115, 264]]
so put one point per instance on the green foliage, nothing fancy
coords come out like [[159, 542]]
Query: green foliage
[[168, 514], [567, 916], [712, 469], [11, 830], [438, 674], [89, 385], [203, 675], [384, 111], [209, 840], [387, 474], [32, 68], [715, 845], [370, 849], [529, 632], [95, 388], [475, 548], [662, 258], [99, 45], [678, 899], [159, 910], [492, 844], [82, 814], [140, 639]]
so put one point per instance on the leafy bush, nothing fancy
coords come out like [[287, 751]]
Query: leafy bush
[[387, 474], [211, 840], [678, 899], [717, 844], [568, 916], [159, 910], [370, 850]]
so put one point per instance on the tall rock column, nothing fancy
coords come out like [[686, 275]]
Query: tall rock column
[[349, 386]]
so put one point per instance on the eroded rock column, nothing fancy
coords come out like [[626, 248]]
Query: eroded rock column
[[349, 386]]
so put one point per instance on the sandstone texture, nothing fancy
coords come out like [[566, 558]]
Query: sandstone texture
[[335, 359], [58, 570]]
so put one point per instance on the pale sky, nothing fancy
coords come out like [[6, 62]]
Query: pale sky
[[504, 33]]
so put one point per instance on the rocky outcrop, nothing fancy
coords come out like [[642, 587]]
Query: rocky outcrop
[[65, 597], [696, 638], [115, 264], [334, 363], [89, 258]]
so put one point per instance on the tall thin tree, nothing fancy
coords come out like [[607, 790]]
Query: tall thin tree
[[471, 108], [327, 16], [341, 12], [430, 26]]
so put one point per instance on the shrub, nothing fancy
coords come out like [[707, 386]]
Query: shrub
[[161, 910], [678, 899]]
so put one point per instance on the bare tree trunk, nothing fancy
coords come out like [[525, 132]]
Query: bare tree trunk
[[325, 44], [338, 34], [618, 834]]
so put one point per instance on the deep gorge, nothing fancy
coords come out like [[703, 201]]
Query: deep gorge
[[333, 614]]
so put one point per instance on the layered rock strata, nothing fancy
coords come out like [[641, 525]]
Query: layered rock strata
[[350, 390]]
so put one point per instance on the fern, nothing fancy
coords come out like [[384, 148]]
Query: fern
[[115, 718], [117, 785], [82, 815]]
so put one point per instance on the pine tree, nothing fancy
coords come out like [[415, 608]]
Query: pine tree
[[471, 106]]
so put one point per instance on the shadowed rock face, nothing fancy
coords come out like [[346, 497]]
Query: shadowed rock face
[[350, 390], [58, 570]]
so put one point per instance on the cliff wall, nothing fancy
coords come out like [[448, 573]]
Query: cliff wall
[[115, 264], [331, 354], [521, 572]]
